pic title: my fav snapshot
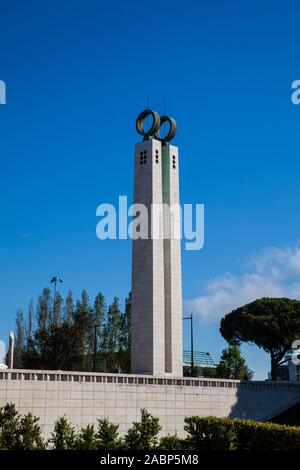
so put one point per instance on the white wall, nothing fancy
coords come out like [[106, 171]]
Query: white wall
[[85, 397]]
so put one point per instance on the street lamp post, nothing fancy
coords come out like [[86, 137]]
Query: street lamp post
[[192, 343]]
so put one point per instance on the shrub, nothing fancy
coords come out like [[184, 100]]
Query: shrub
[[108, 437], [210, 433], [63, 436], [143, 434], [86, 439], [171, 443], [30, 434], [19, 432], [252, 435], [9, 426]]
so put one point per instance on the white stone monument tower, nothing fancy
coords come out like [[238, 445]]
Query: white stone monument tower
[[156, 260]]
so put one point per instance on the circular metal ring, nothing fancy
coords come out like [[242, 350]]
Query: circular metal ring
[[140, 123], [172, 130]]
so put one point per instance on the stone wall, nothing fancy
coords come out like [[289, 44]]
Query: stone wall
[[84, 397]]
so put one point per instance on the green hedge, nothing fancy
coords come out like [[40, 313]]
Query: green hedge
[[210, 433], [19, 432]]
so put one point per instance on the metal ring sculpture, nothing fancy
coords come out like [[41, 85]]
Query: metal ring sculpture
[[157, 122], [172, 131], [140, 123]]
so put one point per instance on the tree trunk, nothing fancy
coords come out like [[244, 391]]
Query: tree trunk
[[274, 365]]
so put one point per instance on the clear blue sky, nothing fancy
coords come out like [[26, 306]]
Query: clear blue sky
[[78, 73]]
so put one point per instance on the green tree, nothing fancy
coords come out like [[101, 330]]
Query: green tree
[[111, 336], [30, 434], [20, 340], [74, 338], [55, 344], [83, 312], [86, 439], [69, 309], [63, 436], [232, 364], [19, 432], [44, 309], [30, 357], [143, 435], [9, 427], [43, 321], [271, 323], [56, 314], [66, 340], [29, 331], [125, 337], [96, 333], [83, 331], [108, 436]]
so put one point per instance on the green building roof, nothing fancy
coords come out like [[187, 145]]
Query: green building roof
[[203, 359]]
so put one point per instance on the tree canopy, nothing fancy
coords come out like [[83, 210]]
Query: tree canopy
[[72, 335], [270, 323], [232, 364]]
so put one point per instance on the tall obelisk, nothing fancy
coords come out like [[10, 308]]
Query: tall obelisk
[[148, 337], [172, 261], [156, 260]]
